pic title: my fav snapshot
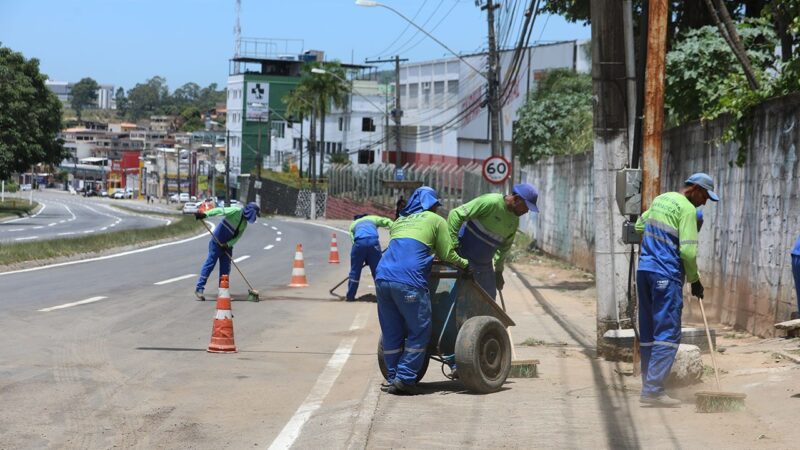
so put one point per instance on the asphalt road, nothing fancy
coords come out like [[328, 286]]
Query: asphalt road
[[63, 216]]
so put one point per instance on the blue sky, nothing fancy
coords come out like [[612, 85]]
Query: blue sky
[[124, 42]]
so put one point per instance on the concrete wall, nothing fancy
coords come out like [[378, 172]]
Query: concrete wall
[[745, 244], [564, 226]]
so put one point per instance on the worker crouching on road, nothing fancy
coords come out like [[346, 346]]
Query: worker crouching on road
[[404, 303], [484, 229], [226, 234], [668, 253], [366, 248]]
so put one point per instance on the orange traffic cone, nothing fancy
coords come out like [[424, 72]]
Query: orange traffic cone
[[298, 269], [334, 258], [222, 329]]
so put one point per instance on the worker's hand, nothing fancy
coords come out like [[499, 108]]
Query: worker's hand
[[225, 247], [467, 274], [697, 289], [498, 280], [199, 216]]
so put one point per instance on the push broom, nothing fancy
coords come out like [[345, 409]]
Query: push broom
[[252, 294], [716, 401]]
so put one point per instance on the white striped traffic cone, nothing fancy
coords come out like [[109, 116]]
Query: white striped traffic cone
[[334, 257], [298, 269]]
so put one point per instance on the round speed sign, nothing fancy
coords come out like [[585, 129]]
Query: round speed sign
[[496, 169]]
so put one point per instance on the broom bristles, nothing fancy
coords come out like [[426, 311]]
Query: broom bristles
[[711, 402]]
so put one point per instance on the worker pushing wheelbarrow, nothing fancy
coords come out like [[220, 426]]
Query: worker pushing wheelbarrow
[[469, 332]]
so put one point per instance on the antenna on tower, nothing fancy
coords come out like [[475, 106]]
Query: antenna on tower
[[237, 30]]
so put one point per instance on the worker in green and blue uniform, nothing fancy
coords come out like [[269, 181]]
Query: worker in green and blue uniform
[[404, 303], [668, 253], [227, 232], [796, 275], [484, 229], [366, 248]]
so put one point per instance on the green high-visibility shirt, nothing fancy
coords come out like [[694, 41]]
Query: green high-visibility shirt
[[226, 230], [367, 227], [669, 238], [489, 229]]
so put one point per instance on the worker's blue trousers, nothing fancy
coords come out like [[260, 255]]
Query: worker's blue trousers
[[485, 277], [660, 306], [404, 313], [796, 274], [215, 252], [364, 250]]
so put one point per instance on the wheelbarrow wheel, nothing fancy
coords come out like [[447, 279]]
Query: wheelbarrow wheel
[[483, 354], [385, 372]]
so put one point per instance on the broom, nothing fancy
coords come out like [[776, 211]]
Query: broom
[[520, 368], [252, 294], [716, 401]]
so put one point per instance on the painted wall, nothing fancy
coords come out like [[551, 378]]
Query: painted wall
[[745, 244]]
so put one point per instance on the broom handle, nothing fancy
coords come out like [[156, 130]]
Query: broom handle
[[710, 345], [510, 339], [228, 254]]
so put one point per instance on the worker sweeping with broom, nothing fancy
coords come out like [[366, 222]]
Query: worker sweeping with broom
[[224, 237], [668, 252], [366, 249]]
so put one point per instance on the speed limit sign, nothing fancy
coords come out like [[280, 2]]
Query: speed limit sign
[[496, 169]]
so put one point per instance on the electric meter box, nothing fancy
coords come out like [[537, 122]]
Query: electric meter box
[[629, 191]]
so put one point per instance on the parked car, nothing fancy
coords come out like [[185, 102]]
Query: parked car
[[25, 187], [183, 198], [191, 207], [90, 193], [104, 193], [118, 194]]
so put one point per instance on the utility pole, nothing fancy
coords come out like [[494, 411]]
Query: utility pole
[[653, 124], [227, 165], [493, 100], [397, 112], [610, 155]]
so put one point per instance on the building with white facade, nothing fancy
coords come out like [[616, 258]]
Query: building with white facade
[[63, 90]]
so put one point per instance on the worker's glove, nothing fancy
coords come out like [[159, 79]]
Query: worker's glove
[[467, 274], [697, 289], [199, 216], [498, 280]]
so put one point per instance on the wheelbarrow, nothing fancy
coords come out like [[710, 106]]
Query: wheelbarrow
[[469, 329]]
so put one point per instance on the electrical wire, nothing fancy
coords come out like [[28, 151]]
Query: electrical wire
[[408, 25]]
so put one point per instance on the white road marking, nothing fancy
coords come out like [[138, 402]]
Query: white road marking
[[26, 238], [321, 388], [88, 231], [105, 228], [16, 229], [273, 228], [66, 234], [51, 224], [318, 225], [277, 239], [38, 227], [28, 217], [101, 258], [182, 277], [68, 305], [279, 233], [269, 247], [241, 258]]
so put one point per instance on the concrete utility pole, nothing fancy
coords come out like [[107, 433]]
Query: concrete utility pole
[[397, 112], [494, 102], [654, 100], [227, 165], [610, 155]]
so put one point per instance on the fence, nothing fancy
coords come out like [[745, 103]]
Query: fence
[[366, 184]]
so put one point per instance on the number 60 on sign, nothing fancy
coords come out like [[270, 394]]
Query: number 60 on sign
[[496, 169]]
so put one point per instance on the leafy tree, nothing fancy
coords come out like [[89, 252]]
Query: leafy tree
[[84, 95], [190, 119], [146, 99], [327, 90], [299, 103], [703, 75], [121, 101], [30, 116], [556, 119], [338, 158]]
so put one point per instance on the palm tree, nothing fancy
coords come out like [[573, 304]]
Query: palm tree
[[329, 92], [299, 103]]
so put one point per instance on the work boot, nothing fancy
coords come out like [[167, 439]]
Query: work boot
[[454, 373], [400, 388], [659, 400], [199, 294]]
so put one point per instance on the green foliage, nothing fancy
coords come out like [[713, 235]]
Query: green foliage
[[84, 95], [190, 120], [122, 102], [338, 158], [705, 80], [145, 99], [557, 117], [30, 116]]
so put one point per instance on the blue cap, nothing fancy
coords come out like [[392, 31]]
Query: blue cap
[[529, 194], [705, 181], [251, 211]]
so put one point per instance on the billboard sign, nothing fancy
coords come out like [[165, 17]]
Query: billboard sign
[[257, 108]]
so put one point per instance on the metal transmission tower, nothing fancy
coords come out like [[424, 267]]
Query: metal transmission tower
[[237, 30]]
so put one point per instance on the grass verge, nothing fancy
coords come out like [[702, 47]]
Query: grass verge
[[16, 207], [56, 248]]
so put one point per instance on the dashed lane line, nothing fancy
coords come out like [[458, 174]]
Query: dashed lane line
[[269, 247], [69, 305], [28, 238], [241, 258], [182, 277]]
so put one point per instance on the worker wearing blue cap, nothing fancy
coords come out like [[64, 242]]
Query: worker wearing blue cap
[[226, 234], [484, 229], [668, 253], [366, 248]]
